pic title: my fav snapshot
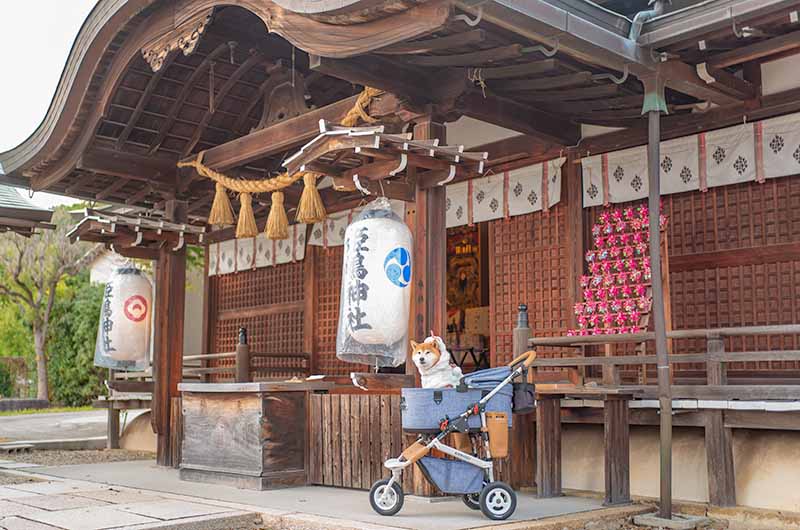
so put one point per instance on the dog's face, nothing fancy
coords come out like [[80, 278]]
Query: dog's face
[[425, 355]]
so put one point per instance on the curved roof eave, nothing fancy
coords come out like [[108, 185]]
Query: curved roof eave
[[107, 14]]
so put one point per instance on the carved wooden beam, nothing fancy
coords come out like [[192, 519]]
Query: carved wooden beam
[[184, 37], [128, 165], [457, 40]]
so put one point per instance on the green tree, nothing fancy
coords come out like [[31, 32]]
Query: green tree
[[6, 383], [30, 272], [16, 337], [74, 379]]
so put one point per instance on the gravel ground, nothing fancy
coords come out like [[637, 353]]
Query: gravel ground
[[7, 479], [68, 458], [627, 524]]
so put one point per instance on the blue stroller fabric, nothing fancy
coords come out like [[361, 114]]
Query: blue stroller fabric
[[487, 379], [452, 476]]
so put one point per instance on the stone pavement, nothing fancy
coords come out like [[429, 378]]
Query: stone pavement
[[57, 425], [79, 505]]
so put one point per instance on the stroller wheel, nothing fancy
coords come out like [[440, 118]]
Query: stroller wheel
[[472, 500], [386, 500], [498, 501]]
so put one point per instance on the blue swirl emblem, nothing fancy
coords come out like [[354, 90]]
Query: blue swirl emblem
[[398, 267]]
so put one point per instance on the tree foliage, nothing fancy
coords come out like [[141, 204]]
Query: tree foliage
[[30, 272], [6, 382], [74, 379]]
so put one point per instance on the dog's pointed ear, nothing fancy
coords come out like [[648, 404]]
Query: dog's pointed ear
[[414, 345]]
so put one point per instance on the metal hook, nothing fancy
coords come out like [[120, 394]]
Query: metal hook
[[472, 22], [401, 166], [450, 176], [359, 187], [181, 240], [541, 48], [616, 80]]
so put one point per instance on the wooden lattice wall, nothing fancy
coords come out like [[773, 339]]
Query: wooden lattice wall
[[528, 264], [329, 285], [269, 303], [734, 258]]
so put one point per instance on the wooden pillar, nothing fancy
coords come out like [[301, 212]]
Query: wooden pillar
[[168, 321], [616, 442], [242, 358], [548, 446], [522, 332], [112, 436], [573, 192], [719, 439], [310, 306], [430, 249]]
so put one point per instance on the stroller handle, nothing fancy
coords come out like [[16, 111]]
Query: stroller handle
[[528, 357]]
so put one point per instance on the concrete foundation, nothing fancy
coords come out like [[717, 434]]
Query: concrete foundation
[[765, 463]]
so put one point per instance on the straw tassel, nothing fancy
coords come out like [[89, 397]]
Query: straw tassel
[[310, 210], [247, 219], [221, 210], [277, 222]]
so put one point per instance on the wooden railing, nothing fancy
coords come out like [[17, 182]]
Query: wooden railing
[[715, 357]]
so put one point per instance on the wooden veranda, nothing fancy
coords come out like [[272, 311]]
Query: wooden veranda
[[150, 84]]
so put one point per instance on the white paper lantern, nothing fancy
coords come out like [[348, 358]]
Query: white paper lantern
[[123, 337], [376, 288]]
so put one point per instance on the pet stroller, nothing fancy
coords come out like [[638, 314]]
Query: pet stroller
[[478, 415]]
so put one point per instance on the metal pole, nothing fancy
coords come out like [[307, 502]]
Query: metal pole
[[664, 390]]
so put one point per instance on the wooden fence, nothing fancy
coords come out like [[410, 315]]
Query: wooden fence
[[353, 434]]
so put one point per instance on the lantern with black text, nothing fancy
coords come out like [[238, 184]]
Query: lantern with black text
[[376, 288], [123, 338]]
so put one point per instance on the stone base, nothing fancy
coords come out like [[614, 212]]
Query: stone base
[[678, 521], [267, 481]]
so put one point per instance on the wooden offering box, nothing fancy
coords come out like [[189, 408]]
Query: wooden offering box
[[247, 435]]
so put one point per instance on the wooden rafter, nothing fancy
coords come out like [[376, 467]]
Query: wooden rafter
[[759, 50], [128, 165], [467, 38], [144, 98], [251, 62], [112, 189], [576, 94], [184, 93], [470, 59], [544, 83], [520, 70]]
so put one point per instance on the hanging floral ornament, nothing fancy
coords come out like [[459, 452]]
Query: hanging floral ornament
[[123, 337]]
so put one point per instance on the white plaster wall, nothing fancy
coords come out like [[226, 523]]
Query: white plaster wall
[[767, 464], [782, 74], [470, 132]]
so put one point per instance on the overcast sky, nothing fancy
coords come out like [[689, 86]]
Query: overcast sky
[[35, 39]]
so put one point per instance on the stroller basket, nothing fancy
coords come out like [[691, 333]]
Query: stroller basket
[[452, 476], [423, 408]]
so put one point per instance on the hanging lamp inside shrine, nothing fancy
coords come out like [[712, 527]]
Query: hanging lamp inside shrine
[[123, 337], [376, 288]]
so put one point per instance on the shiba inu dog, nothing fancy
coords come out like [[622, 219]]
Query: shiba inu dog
[[433, 362]]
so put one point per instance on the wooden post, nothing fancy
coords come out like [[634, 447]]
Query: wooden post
[[430, 249], [310, 305], [617, 450], [522, 332], [548, 446], [168, 322], [112, 440], [242, 358], [573, 186], [719, 439]]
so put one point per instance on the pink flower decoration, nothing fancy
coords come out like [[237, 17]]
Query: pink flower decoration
[[635, 317], [641, 290], [594, 320], [582, 321], [570, 333], [608, 280], [588, 294], [596, 230], [584, 281], [604, 217], [628, 213], [611, 240], [627, 291], [621, 226], [643, 304], [636, 276], [638, 237], [614, 252], [594, 268], [608, 228], [616, 215], [616, 306], [600, 242], [602, 307], [605, 267], [627, 252], [613, 291], [620, 319], [629, 306], [643, 211], [624, 238], [603, 254], [608, 319], [622, 278], [641, 249]]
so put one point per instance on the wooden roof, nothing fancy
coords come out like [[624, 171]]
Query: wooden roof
[[18, 214], [149, 83]]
